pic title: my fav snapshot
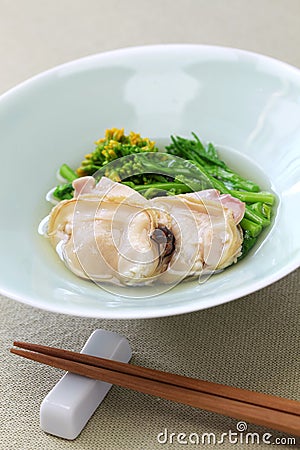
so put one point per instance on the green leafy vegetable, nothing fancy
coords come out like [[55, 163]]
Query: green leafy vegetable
[[258, 203], [64, 192], [114, 145], [187, 165]]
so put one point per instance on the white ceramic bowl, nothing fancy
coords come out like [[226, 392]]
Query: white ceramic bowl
[[246, 103]]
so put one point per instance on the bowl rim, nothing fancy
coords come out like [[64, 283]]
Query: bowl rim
[[145, 48], [176, 309]]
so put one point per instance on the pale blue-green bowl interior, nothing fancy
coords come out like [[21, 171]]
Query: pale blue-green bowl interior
[[247, 104]]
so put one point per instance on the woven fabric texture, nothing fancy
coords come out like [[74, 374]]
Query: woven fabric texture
[[252, 343]]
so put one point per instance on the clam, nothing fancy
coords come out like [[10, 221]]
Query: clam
[[206, 231], [109, 232]]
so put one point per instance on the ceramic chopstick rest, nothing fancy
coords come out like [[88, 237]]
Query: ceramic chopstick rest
[[69, 405]]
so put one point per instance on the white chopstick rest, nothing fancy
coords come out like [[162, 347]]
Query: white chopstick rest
[[69, 405]]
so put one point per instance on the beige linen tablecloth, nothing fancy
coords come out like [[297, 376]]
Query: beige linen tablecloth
[[251, 343]]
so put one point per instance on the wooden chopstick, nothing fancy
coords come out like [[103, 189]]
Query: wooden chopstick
[[261, 409], [252, 397]]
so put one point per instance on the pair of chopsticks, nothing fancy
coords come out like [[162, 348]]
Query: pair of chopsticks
[[253, 407]]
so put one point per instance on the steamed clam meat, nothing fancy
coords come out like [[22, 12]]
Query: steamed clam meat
[[110, 233]]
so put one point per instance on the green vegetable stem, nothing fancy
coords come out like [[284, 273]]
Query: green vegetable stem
[[258, 211], [67, 173], [187, 165]]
